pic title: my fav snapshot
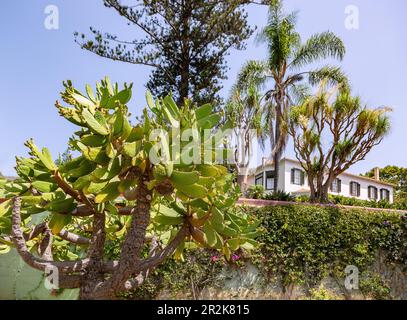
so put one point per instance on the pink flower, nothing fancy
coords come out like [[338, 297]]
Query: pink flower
[[235, 257], [214, 258]]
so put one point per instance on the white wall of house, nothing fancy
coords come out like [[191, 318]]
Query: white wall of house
[[285, 183]]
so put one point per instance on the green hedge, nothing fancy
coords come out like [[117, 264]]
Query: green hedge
[[300, 245], [348, 201], [304, 244]]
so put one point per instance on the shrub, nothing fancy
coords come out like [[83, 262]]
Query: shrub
[[279, 196], [374, 287], [304, 244], [255, 192], [302, 198]]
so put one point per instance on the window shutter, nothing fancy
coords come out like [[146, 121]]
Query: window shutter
[[339, 181], [358, 186], [369, 192], [292, 175], [302, 178]]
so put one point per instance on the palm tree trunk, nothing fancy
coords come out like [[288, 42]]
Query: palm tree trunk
[[277, 153]]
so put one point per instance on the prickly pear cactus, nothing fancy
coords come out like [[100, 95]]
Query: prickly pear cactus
[[135, 180]]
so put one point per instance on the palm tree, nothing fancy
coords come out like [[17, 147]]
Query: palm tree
[[285, 71], [244, 110]]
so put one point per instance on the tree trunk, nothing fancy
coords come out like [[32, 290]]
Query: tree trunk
[[313, 189], [320, 194], [93, 274], [324, 195], [242, 179], [277, 154], [94, 285]]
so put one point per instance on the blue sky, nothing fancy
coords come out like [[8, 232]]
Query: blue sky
[[34, 61]]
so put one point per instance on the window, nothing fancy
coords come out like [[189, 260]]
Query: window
[[354, 189], [385, 194], [372, 193], [269, 180], [336, 185], [297, 177], [258, 181]]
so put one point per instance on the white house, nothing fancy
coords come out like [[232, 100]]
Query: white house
[[293, 180]]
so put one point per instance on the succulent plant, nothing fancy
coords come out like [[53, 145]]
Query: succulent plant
[[129, 181]]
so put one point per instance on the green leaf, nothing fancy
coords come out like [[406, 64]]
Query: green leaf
[[65, 205], [112, 209], [228, 231], [127, 128], [131, 149], [16, 187], [161, 219], [150, 100], [217, 219], [118, 123], [95, 187], [58, 222], [89, 91], [124, 96], [233, 243], [210, 121], [172, 107], [93, 140], [184, 178], [208, 170], [85, 167], [168, 212], [82, 182], [44, 156], [31, 200], [110, 192], [43, 186], [96, 123], [136, 134], [46, 159], [5, 207], [83, 101], [193, 190], [203, 111], [210, 234], [96, 154]]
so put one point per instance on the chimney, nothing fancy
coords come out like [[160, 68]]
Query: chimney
[[376, 173]]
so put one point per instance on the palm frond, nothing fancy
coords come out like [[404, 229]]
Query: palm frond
[[280, 35], [333, 75], [253, 73], [319, 46], [298, 93]]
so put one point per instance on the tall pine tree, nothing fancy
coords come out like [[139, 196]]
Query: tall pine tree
[[185, 42]]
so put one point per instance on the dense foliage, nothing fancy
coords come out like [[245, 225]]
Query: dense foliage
[[136, 182], [184, 42], [304, 244], [301, 245]]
